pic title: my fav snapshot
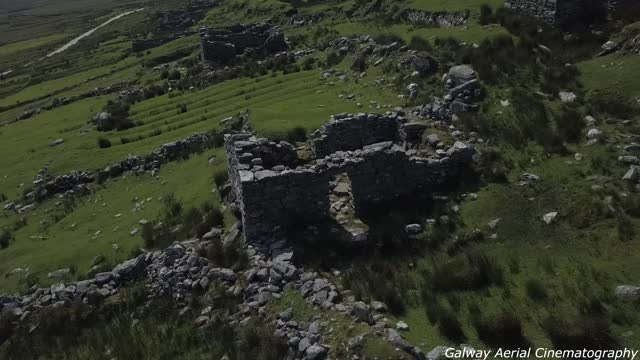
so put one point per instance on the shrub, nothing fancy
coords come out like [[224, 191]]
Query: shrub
[[536, 290], [503, 330], [220, 178], [119, 119], [213, 218], [124, 140], [420, 44], [486, 15], [589, 332], [308, 63], [387, 39], [359, 64], [148, 236], [450, 327], [333, 59], [174, 75], [104, 143], [614, 104], [5, 239], [297, 134], [433, 309], [570, 125], [229, 255], [466, 274]]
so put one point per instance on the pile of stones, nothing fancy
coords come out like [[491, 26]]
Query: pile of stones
[[464, 91], [630, 157], [179, 273]]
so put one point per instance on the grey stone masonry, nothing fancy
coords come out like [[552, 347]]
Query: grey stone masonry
[[222, 45], [365, 147], [552, 12], [564, 12]]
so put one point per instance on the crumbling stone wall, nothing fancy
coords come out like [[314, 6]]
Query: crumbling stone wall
[[620, 7], [274, 198], [552, 12], [566, 12], [222, 45], [365, 129]]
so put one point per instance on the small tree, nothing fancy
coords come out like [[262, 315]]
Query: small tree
[[5, 239], [104, 143]]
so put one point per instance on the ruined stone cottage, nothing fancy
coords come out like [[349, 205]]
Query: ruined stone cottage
[[566, 12], [222, 45], [360, 161]]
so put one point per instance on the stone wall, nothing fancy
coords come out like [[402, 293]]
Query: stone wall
[[46, 185], [541, 9], [344, 133], [552, 12], [272, 199], [222, 45], [620, 7], [566, 12]]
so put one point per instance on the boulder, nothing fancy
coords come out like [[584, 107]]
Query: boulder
[[362, 312], [549, 217], [461, 74], [627, 292], [413, 229], [131, 269], [315, 352], [567, 97], [594, 134], [402, 326]]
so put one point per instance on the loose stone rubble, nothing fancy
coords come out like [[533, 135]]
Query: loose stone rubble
[[464, 95], [179, 273], [274, 190]]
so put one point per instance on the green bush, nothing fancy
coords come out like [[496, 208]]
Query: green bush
[[614, 104], [502, 330], [333, 59], [486, 15], [450, 327], [570, 125], [5, 239], [104, 143], [588, 332], [536, 290], [420, 44], [220, 178], [466, 274]]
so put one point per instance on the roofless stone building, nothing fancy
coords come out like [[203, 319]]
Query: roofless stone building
[[360, 161]]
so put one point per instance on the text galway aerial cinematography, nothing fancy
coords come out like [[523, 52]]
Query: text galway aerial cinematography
[[540, 353]]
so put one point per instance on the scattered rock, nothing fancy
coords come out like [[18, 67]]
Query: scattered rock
[[549, 217]]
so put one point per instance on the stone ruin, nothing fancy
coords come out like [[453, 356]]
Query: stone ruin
[[359, 161], [221, 46], [566, 12], [464, 94]]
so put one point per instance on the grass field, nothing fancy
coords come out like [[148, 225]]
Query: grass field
[[578, 259]]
